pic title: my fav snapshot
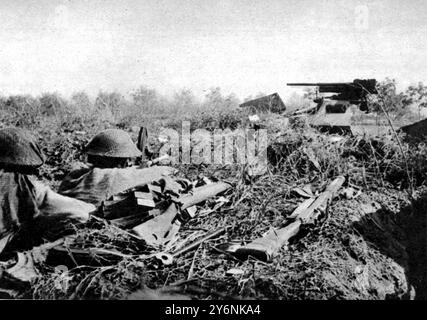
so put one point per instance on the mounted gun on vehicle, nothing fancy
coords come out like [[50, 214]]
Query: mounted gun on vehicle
[[346, 110]]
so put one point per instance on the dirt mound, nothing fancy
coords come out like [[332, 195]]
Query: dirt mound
[[367, 247], [358, 251]]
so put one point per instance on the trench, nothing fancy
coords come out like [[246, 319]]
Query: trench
[[415, 226], [404, 239]]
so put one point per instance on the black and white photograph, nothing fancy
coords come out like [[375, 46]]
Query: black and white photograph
[[214, 151]]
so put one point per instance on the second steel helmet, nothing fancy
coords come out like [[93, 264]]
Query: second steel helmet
[[114, 143], [19, 148]]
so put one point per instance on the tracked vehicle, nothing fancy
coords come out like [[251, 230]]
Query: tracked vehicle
[[346, 111]]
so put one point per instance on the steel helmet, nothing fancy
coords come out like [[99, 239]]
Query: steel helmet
[[19, 148], [114, 143]]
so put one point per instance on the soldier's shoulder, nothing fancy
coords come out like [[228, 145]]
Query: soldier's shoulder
[[78, 169]]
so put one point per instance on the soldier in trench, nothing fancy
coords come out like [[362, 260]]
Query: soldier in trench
[[29, 209], [109, 171]]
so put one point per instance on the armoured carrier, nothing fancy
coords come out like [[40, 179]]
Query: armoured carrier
[[346, 111]]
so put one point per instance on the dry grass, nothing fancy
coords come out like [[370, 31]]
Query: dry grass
[[318, 266]]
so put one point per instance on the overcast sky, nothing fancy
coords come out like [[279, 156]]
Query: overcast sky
[[242, 46]]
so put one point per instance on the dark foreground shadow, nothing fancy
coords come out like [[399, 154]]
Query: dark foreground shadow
[[402, 237]]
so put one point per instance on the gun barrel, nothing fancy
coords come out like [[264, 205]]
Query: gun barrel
[[319, 84], [357, 87]]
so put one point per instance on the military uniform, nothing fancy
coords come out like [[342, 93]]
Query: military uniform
[[95, 184], [29, 208]]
